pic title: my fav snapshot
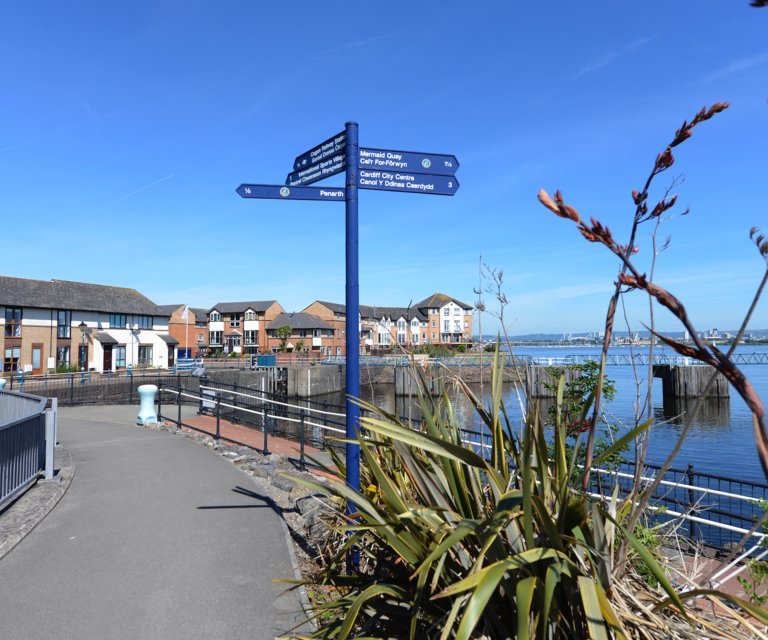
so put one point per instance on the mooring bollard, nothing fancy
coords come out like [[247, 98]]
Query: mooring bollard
[[147, 394]]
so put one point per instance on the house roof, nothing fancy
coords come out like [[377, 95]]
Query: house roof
[[259, 306], [169, 339], [170, 309], [299, 321], [81, 296], [437, 300], [333, 306], [105, 338]]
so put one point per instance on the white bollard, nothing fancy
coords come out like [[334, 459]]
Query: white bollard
[[3, 382], [147, 393]]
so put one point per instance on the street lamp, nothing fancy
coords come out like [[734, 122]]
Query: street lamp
[[83, 328]]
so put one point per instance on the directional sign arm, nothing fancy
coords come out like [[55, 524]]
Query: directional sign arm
[[407, 182], [282, 192]]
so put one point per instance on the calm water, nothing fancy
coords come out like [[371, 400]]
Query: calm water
[[720, 441]]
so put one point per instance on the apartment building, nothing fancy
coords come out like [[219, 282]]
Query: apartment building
[[188, 325], [57, 324], [241, 327], [438, 319]]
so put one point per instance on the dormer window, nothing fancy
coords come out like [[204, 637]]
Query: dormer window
[[250, 315], [214, 316]]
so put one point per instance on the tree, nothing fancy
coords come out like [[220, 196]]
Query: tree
[[283, 332]]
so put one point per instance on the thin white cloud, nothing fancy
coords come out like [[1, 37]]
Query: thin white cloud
[[611, 57], [130, 194], [736, 67]]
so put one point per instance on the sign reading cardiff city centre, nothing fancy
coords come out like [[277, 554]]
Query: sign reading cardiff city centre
[[410, 161], [410, 182]]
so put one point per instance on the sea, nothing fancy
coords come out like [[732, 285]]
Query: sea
[[720, 442]]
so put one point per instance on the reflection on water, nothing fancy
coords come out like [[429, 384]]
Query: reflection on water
[[712, 412]]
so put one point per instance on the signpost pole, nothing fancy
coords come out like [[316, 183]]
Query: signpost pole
[[353, 309]]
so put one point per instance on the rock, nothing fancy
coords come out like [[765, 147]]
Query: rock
[[282, 483], [262, 470]]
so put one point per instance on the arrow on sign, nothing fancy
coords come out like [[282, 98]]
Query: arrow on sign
[[315, 172], [282, 192], [324, 150], [409, 182], [410, 161]]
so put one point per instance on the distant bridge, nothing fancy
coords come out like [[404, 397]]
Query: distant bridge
[[641, 359]]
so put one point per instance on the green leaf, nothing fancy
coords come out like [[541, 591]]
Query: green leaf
[[598, 630], [353, 611], [524, 595], [623, 441]]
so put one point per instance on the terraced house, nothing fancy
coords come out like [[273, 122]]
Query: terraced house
[[56, 324], [438, 319], [241, 327]]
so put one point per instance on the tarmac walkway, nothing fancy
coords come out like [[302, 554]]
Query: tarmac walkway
[[157, 537]]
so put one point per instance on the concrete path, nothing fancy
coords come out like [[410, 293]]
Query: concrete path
[[157, 537]]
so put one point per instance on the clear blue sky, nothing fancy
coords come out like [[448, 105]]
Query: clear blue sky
[[126, 127]]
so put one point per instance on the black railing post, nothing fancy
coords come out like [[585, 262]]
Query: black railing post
[[218, 415], [302, 437], [325, 421], [691, 502], [266, 421], [71, 388], [159, 401], [234, 410]]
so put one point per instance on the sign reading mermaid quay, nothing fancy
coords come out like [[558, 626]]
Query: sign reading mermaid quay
[[379, 169]]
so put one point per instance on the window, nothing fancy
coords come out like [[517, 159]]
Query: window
[[143, 322], [446, 311], [119, 354], [401, 338], [63, 323], [456, 311], [117, 321], [338, 351], [434, 323], [234, 320], [424, 337], [62, 356], [13, 322], [466, 324], [250, 315], [251, 336], [214, 316], [446, 325], [200, 324], [215, 338], [434, 336], [145, 355], [401, 325], [11, 361]]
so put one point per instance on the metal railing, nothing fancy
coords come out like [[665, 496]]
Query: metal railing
[[22, 443], [713, 510], [95, 388]]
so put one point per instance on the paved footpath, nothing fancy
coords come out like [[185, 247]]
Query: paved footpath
[[157, 537]]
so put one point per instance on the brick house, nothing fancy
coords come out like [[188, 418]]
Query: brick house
[[58, 324], [190, 329], [308, 333], [438, 319], [240, 327]]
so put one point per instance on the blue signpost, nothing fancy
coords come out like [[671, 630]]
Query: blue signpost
[[282, 192], [380, 169], [410, 182], [408, 161]]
